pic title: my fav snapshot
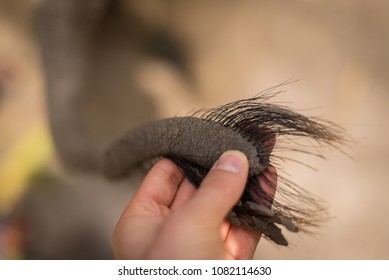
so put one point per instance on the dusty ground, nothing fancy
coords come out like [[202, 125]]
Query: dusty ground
[[337, 49]]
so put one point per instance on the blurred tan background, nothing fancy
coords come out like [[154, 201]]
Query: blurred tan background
[[91, 72]]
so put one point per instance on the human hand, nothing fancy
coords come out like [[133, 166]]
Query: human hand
[[169, 219]]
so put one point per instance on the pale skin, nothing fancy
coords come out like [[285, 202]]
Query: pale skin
[[169, 219]]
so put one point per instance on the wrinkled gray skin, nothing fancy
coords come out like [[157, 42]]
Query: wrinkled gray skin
[[197, 140]]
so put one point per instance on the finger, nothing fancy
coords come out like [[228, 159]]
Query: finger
[[184, 193], [158, 188], [161, 183], [220, 189], [240, 243], [224, 229]]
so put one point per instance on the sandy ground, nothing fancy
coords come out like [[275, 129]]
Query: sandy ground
[[338, 50]]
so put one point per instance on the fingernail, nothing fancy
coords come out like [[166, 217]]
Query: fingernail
[[231, 161]]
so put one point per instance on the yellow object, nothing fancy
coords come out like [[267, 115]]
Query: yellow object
[[26, 156]]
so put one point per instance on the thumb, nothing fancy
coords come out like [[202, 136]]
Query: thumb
[[220, 189]]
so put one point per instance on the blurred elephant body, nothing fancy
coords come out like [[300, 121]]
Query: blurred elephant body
[[91, 51]]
